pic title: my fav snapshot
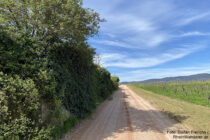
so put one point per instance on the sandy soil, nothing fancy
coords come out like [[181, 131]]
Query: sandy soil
[[126, 117]]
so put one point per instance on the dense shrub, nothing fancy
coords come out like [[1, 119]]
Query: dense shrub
[[74, 72], [104, 83], [19, 112], [23, 85], [115, 81]]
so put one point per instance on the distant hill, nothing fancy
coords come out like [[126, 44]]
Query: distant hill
[[197, 77]]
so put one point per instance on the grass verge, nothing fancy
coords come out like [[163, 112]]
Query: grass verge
[[194, 116], [59, 131]]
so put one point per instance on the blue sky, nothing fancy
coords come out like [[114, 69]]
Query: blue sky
[[144, 39]]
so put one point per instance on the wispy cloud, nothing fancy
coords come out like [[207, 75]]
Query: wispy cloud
[[188, 20], [112, 56], [139, 29], [156, 40], [112, 43], [193, 33], [125, 61], [141, 26], [136, 37], [131, 22]]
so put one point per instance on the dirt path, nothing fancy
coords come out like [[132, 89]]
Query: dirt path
[[126, 117]]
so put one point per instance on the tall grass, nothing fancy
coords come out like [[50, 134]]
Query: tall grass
[[196, 92]]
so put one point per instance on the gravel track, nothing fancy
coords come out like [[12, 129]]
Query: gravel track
[[126, 116]]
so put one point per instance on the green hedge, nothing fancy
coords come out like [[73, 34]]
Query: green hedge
[[45, 67]]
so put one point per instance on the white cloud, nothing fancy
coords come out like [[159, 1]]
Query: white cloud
[[136, 28], [193, 33], [107, 57], [141, 32], [112, 56], [131, 22], [112, 43], [157, 40], [143, 27], [193, 18], [110, 35], [126, 61]]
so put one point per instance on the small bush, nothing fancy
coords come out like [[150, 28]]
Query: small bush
[[115, 81]]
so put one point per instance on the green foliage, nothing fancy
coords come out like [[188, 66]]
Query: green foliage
[[115, 81], [79, 80], [75, 71], [194, 92], [65, 19], [46, 63], [19, 101], [105, 85], [18, 55]]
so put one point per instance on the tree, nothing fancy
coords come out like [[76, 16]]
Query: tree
[[63, 19]]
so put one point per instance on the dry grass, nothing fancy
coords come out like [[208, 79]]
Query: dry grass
[[195, 117]]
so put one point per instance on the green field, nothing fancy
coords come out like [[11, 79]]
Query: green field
[[197, 92]]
